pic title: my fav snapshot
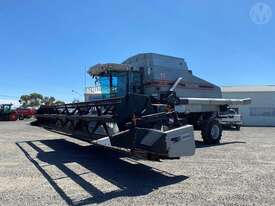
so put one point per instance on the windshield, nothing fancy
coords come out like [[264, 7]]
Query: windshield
[[111, 85], [5, 107]]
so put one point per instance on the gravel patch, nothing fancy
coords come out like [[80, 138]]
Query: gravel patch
[[38, 167]]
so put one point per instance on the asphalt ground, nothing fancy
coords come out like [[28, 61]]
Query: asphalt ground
[[38, 167]]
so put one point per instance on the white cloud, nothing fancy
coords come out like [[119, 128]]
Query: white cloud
[[10, 101]]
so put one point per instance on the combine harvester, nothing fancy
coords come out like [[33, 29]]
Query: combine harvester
[[147, 106]]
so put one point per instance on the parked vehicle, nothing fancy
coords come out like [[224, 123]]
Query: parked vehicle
[[7, 113], [25, 113], [231, 119]]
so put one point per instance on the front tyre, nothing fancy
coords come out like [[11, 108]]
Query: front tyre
[[211, 131], [13, 116]]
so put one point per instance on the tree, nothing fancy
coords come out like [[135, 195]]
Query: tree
[[48, 101], [58, 102], [31, 100], [24, 100], [36, 99]]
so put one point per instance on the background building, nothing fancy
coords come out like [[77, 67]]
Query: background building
[[262, 110]]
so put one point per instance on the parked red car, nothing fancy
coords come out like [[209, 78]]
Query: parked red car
[[23, 113]]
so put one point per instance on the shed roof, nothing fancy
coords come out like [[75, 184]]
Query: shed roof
[[249, 88]]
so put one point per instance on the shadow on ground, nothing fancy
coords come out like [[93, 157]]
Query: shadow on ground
[[201, 144], [132, 179]]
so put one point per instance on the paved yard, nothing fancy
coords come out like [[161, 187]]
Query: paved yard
[[38, 167]]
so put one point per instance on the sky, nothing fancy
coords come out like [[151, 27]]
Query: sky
[[47, 46]]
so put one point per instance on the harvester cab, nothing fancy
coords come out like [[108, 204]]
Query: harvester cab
[[116, 80]]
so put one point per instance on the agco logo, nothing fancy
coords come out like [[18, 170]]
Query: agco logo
[[260, 13]]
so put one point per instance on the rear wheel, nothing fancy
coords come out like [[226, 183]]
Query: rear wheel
[[211, 131], [12, 116]]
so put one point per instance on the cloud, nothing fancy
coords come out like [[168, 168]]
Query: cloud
[[10, 101]]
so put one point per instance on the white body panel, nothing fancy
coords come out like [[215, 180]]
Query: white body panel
[[231, 119], [180, 141], [190, 105], [215, 101]]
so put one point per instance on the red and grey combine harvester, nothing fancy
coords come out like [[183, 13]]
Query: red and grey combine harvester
[[147, 106]]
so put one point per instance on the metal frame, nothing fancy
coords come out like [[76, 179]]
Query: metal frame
[[78, 115]]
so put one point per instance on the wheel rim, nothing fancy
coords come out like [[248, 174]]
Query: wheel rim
[[215, 131]]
